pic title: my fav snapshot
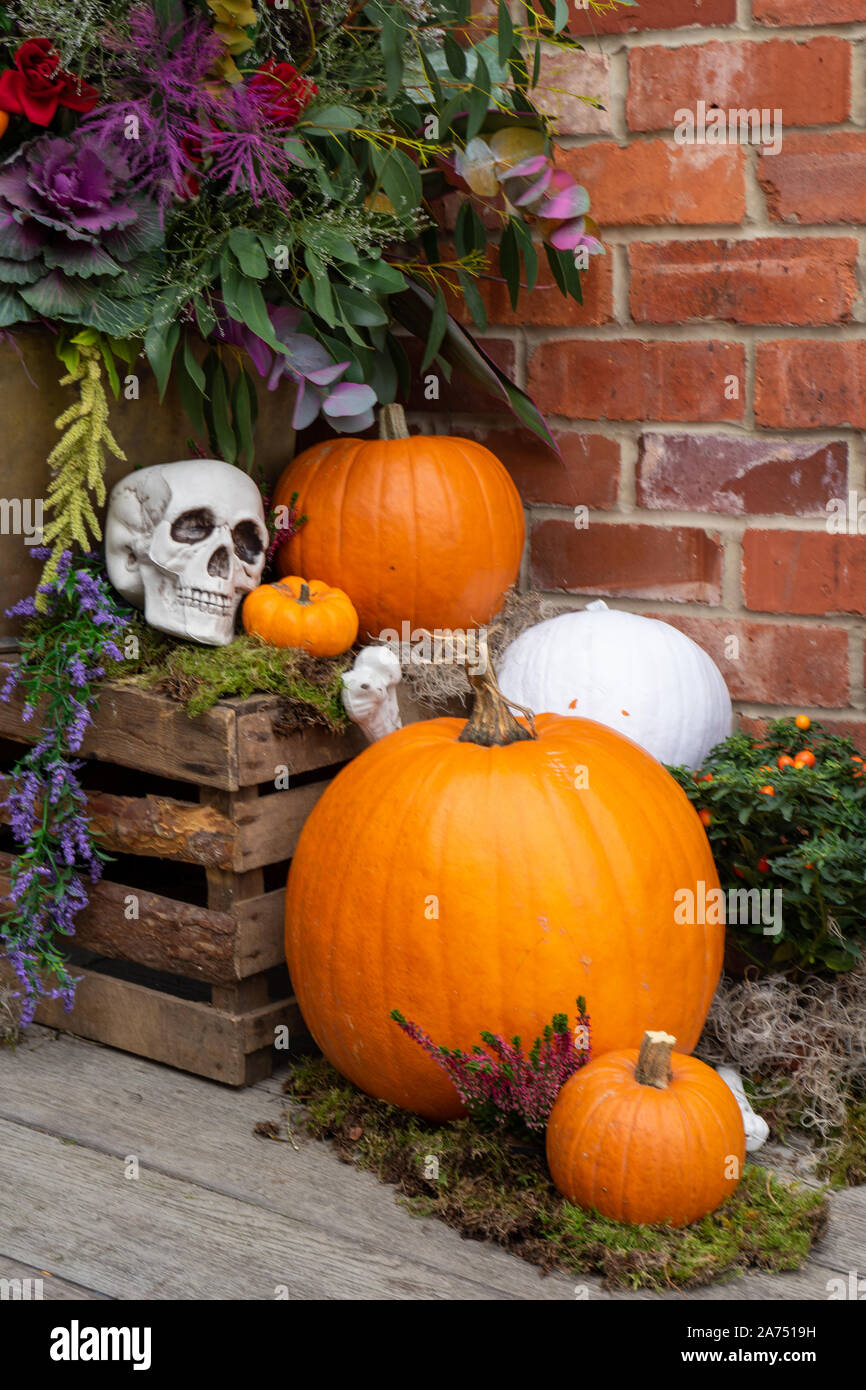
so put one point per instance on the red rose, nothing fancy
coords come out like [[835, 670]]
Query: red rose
[[284, 93], [37, 85]]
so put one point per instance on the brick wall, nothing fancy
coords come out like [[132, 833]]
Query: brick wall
[[709, 397]]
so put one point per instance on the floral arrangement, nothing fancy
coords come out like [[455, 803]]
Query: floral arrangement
[[499, 1083], [265, 178], [786, 813]]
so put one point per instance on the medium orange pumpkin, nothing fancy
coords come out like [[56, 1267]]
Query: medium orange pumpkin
[[298, 613], [646, 1136], [476, 877], [427, 530]]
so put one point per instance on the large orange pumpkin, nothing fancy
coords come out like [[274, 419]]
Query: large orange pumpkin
[[427, 530], [646, 1136], [476, 877]]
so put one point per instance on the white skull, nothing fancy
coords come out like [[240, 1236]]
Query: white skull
[[185, 541]]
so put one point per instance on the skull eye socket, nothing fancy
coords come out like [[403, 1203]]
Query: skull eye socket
[[193, 526], [247, 541]]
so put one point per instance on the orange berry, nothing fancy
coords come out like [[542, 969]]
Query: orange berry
[[785, 761], [809, 864], [805, 758], [705, 816], [769, 791], [765, 768], [855, 758], [707, 778], [803, 722]]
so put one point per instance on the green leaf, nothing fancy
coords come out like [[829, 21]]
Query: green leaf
[[454, 56], [436, 331], [505, 32], [330, 119], [250, 256], [400, 180], [529, 250], [223, 431], [191, 397], [472, 297], [509, 263], [479, 100], [196, 372], [159, 345], [560, 15], [243, 419], [316, 289], [362, 310]]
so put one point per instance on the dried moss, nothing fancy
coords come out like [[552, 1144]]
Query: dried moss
[[309, 688], [490, 1188], [843, 1163]]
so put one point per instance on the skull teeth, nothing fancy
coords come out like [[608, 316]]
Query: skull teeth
[[204, 599]]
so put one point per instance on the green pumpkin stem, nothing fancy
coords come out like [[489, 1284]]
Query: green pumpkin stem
[[491, 722], [392, 422], [654, 1060], [304, 595]]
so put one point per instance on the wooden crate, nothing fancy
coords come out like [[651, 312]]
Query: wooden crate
[[202, 842]]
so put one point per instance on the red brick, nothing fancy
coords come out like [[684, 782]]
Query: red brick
[[460, 393], [775, 664], [808, 82], [565, 76], [739, 475], [631, 380], [816, 178], [544, 306], [808, 383], [586, 473], [673, 563], [787, 280], [656, 182], [653, 14], [804, 572], [855, 729], [808, 11]]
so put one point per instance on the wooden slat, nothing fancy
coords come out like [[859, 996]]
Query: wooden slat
[[180, 1032], [269, 826], [145, 730], [260, 937], [158, 827], [176, 937], [261, 752]]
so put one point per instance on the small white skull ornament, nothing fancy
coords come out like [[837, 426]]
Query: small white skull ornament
[[185, 541]]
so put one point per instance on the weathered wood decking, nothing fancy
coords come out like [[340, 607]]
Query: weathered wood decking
[[217, 1213]]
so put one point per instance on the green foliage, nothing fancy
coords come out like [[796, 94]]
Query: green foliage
[[310, 688], [489, 1188], [808, 839]]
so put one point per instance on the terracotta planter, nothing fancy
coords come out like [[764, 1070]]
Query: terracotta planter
[[147, 431]]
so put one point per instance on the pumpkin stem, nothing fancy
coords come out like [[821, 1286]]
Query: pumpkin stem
[[392, 422], [654, 1060], [304, 595], [490, 721]]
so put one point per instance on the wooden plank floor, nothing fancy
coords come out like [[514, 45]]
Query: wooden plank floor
[[216, 1213]]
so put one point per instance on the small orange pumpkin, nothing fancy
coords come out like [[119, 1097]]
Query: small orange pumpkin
[[423, 529], [646, 1136], [309, 615]]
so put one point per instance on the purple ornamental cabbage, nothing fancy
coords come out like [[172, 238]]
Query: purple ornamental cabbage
[[74, 241]]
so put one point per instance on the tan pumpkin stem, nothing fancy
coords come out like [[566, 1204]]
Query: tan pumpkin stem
[[491, 721], [304, 595], [654, 1060], [392, 422]]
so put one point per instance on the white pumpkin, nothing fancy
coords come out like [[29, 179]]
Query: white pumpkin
[[638, 675]]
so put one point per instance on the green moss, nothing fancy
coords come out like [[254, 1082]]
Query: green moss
[[489, 1187], [843, 1162], [309, 687]]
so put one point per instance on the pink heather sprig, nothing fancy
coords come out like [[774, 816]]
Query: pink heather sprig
[[502, 1083]]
